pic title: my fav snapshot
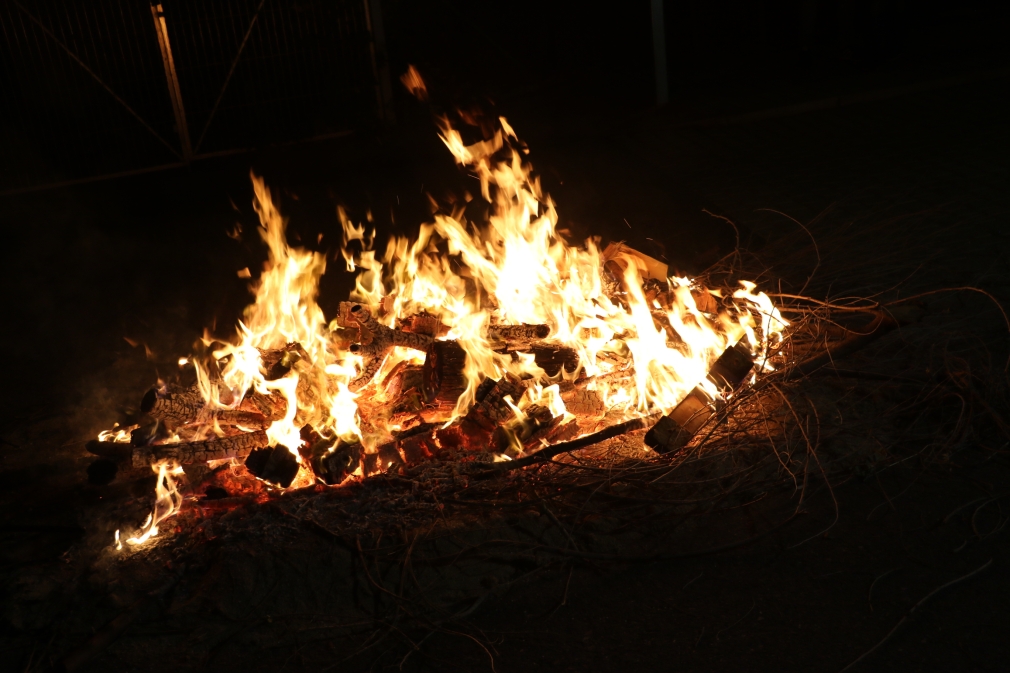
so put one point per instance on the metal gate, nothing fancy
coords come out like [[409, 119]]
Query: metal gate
[[95, 88]]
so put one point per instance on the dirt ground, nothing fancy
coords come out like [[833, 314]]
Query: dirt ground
[[911, 189]]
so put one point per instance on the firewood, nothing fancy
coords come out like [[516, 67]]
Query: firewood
[[247, 419], [271, 407], [521, 333], [387, 336], [549, 452], [177, 407], [675, 430], [277, 363], [384, 459], [273, 464], [552, 358], [333, 464], [424, 323], [491, 409], [403, 377], [443, 377], [237, 446], [584, 403], [732, 367], [373, 356]]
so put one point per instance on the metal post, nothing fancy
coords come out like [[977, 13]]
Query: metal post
[[659, 50], [380, 61], [173, 81]]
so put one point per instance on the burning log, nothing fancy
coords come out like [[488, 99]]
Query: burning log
[[180, 407], [271, 407], [584, 403], [424, 323], [552, 358], [219, 448], [442, 376], [274, 464], [518, 333], [279, 362], [333, 464], [387, 337], [404, 377], [491, 410], [676, 429]]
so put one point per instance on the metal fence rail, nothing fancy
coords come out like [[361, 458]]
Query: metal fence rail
[[99, 87]]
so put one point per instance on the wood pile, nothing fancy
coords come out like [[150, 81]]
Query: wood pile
[[418, 400]]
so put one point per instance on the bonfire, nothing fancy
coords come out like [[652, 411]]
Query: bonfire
[[483, 339]]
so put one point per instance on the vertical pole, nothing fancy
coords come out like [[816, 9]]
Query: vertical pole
[[380, 60], [659, 51], [173, 81]]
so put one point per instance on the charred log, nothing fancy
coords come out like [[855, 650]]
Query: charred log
[[518, 333], [403, 377], [333, 464], [443, 376], [424, 323], [387, 337], [237, 446], [274, 464], [270, 407], [491, 410], [732, 367], [552, 359], [675, 430], [383, 460], [181, 407]]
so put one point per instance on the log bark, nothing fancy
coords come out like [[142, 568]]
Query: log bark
[[237, 446]]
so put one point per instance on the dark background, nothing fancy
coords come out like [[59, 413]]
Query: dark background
[[879, 125]]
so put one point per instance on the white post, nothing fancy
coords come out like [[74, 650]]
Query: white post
[[659, 51]]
